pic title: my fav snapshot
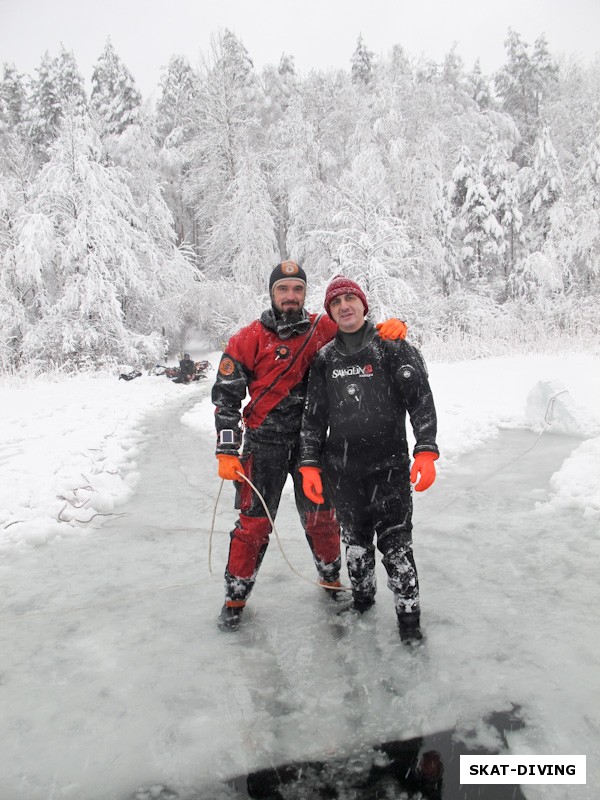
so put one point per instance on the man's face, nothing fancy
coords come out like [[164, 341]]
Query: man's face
[[348, 311], [288, 296]]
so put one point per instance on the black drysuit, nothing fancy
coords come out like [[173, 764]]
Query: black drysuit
[[354, 428]]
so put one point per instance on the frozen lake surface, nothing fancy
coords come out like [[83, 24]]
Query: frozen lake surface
[[115, 681]]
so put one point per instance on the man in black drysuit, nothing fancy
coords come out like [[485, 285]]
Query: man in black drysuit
[[354, 428]]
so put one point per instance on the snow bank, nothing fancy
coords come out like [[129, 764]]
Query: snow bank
[[577, 484], [69, 450], [549, 394]]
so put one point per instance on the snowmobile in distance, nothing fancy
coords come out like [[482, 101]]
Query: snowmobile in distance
[[201, 369], [161, 369]]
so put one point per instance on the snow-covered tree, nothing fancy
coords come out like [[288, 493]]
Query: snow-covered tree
[[241, 242], [70, 82], [178, 93], [96, 274], [279, 86], [585, 241], [226, 122], [478, 87], [453, 69], [536, 277], [524, 82], [46, 105], [362, 63], [463, 175], [445, 261], [370, 244], [544, 75], [483, 235], [545, 183], [115, 99], [13, 100], [500, 181]]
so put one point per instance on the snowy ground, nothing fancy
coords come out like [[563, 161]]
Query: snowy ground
[[114, 676]]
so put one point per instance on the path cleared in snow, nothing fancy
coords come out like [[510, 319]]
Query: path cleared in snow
[[115, 677]]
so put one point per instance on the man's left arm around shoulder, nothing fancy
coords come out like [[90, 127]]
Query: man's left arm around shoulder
[[411, 376]]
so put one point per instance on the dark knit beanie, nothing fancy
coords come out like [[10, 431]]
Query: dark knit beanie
[[341, 285], [287, 270]]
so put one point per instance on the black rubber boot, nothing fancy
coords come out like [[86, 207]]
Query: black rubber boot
[[360, 603], [409, 626], [229, 618]]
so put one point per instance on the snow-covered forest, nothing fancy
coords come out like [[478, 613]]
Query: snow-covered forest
[[468, 204]]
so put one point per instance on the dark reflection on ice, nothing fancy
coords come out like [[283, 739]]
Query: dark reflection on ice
[[423, 768]]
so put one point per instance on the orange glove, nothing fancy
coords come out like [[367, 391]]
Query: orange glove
[[312, 486], [229, 466], [392, 329], [423, 465]]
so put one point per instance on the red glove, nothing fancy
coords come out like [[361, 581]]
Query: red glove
[[312, 486], [423, 465], [392, 329], [229, 466]]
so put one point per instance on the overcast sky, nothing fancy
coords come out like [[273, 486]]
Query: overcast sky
[[318, 33]]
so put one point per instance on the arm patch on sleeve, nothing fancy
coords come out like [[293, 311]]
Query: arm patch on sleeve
[[226, 367]]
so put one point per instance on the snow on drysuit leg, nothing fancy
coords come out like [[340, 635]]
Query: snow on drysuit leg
[[378, 502]]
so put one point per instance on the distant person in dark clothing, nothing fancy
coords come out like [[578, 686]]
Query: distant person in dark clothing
[[354, 429], [187, 369]]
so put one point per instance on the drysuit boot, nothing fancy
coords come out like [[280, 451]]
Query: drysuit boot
[[229, 618], [360, 603], [409, 626], [333, 594]]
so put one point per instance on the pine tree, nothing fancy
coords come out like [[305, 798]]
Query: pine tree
[[13, 100], [178, 95], [502, 188], [524, 83], [483, 234], [544, 75], [444, 258], [279, 86], [453, 69], [362, 63], [478, 87], [46, 105], [70, 82], [546, 184], [463, 175], [114, 99], [59, 85]]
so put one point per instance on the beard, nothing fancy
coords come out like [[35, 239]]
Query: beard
[[290, 313]]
